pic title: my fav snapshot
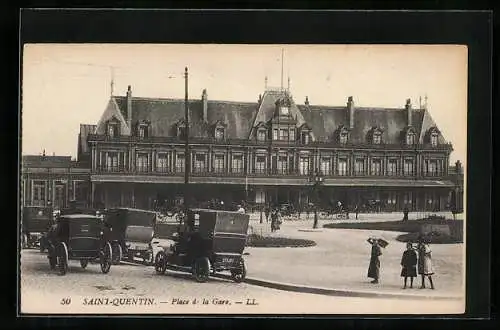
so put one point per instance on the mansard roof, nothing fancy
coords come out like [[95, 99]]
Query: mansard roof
[[242, 117]]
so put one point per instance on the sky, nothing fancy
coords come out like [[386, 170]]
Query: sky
[[65, 85]]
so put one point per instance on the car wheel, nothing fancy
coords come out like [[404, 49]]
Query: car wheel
[[201, 269], [62, 259], [106, 258], [239, 274], [117, 253], [161, 262]]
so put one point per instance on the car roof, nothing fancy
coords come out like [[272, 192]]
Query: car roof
[[80, 216], [130, 209], [213, 211]]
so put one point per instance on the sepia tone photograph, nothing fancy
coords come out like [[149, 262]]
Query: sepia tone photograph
[[243, 179]]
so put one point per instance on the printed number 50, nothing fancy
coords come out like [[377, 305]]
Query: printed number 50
[[65, 301]]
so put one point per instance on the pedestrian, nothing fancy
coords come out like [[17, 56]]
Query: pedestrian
[[267, 211], [409, 264], [274, 220], [240, 209], [425, 268], [405, 214], [374, 267], [356, 210]]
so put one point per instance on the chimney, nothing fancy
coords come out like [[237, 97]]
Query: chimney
[[306, 102], [350, 107], [408, 112], [205, 105], [129, 107], [260, 98]]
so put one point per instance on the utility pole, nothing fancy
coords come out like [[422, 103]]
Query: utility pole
[[187, 158]]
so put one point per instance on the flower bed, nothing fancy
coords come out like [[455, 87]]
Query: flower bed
[[432, 238], [255, 240]]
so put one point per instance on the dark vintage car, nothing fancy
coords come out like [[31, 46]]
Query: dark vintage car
[[36, 221], [78, 237], [209, 241], [131, 232]]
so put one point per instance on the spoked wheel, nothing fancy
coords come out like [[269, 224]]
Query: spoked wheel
[[161, 262], [117, 253], [52, 258], [62, 259], [106, 258], [239, 274], [84, 263], [201, 269]]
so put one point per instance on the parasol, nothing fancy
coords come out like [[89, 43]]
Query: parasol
[[382, 242]]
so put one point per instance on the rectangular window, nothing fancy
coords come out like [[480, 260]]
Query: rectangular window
[[275, 134], [392, 199], [142, 164], [112, 162], [377, 138], [376, 167], [80, 190], [408, 199], [305, 137], [162, 163], [219, 164], [38, 193], [282, 165], [359, 166], [180, 163], [325, 166], [59, 194], [237, 164], [304, 165], [112, 130], [342, 166], [392, 167], [260, 197], [260, 164], [143, 131], [182, 133], [200, 163], [292, 134], [432, 168], [284, 134], [261, 135], [408, 167]]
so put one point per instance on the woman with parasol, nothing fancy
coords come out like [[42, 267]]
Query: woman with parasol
[[374, 267]]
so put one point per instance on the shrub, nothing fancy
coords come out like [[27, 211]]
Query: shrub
[[255, 240]]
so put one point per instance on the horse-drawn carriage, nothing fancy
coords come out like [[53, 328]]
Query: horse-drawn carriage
[[36, 222], [78, 237], [208, 242], [131, 232]]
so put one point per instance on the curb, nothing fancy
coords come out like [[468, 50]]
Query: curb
[[335, 292]]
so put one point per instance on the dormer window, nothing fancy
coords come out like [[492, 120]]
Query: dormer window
[[433, 136], [143, 130], [343, 135], [434, 139], [219, 133], [410, 138], [375, 135], [284, 110], [112, 129], [261, 135]]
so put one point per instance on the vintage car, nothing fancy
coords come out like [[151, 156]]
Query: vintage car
[[131, 232], [208, 241], [36, 221], [78, 237]]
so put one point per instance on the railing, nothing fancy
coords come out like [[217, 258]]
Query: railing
[[223, 172]]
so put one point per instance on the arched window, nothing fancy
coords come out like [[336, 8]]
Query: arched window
[[410, 138], [342, 135], [375, 135]]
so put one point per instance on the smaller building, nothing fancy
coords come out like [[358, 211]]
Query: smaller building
[[456, 175], [53, 180]]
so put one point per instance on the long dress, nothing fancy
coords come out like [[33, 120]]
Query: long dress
[[374, 267], [409, 263], [425, 261]]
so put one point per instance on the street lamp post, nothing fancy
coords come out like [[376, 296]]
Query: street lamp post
[[187, 158], [317, 181]]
